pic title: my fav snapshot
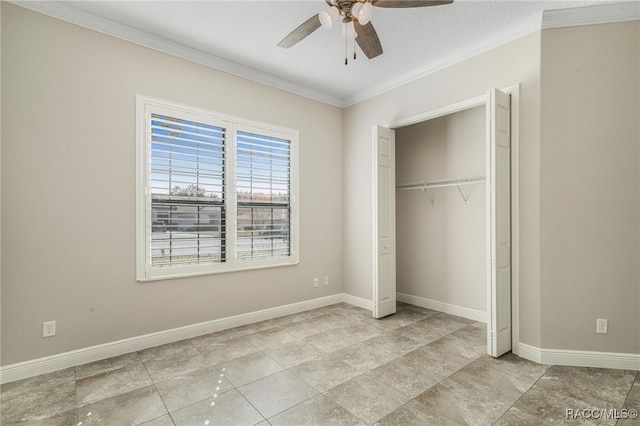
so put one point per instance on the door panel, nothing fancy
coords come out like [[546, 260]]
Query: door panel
[[499, 226], [383, 208], [384, 297]]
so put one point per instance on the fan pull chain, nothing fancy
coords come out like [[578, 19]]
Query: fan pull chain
[[354, 49], [346, 43], [346, 53]]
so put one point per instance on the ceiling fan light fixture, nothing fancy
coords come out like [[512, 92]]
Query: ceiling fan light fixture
[[365, 12], [328, 17], [355, 10]]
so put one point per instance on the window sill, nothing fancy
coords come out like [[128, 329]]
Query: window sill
[[172, 273]]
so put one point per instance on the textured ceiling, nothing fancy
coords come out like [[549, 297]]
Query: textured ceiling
[[247, 32]]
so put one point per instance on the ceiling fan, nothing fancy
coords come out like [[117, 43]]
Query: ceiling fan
[[355, 16]]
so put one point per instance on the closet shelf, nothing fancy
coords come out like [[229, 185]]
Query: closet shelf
[[441, 183], [425, 186]]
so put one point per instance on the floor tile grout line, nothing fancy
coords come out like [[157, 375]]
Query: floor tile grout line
[[523, 395], [343, 407], [154, 386], [416, 400], [79, 405], [198, 401], [626, 399], [635, 379], [264, 418], [163, 401], [75, 396], [286, 409]]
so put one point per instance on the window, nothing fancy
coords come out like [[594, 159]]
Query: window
[[215, 194]]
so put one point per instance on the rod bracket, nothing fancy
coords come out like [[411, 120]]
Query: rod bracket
[[426, 192]]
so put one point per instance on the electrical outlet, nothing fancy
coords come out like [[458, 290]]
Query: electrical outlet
[[316, 282], [48, 329], [326, 281], [601, 326]]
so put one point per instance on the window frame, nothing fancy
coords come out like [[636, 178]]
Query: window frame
[[145, 106]]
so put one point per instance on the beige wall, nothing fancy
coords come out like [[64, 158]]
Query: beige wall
[[515, 62], [590, 187], [68, 194], [441, 246]]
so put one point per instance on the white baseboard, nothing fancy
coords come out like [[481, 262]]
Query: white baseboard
[[580, 358], [23, 370], [447, 308], [358, 301], [529, 352]]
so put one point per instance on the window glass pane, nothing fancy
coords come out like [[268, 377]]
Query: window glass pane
[[263, 184], [187, 192]]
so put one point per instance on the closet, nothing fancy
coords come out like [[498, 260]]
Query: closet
[[451, 182], [441, 213]]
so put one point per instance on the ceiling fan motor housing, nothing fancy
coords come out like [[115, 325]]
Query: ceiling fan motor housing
[[345, 7]]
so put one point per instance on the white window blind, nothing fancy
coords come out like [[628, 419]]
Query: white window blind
[[263, 177], [187, 192], [215, 193]]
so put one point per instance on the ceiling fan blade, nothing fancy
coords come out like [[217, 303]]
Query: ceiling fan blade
[[409, 3], [307, 27], [368, 39]]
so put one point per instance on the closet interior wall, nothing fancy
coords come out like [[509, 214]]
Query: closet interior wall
[[441, 239]]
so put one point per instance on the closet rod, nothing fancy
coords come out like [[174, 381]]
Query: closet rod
[[440, 183]]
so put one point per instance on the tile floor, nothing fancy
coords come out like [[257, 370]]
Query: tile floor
[[329, 366]]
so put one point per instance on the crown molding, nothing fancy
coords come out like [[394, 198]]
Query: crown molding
[[591, 15], [105, 26], [508, 34], [557, 18]]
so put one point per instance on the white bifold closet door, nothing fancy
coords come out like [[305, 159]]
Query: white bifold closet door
[[384, 170], [499, 222]]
